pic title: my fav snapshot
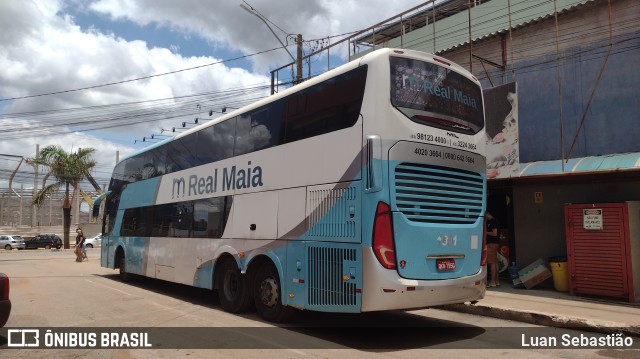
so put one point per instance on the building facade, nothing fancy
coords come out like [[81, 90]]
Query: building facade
[[578, 95]]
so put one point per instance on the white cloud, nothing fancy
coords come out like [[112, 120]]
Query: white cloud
[[43, 50], [47, 53], [225, 24]]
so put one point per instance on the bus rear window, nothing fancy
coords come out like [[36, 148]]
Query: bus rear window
[[436, 96]]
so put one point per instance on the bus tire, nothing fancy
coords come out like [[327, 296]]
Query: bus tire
[[233, 293], [267, 294], [122, 268]]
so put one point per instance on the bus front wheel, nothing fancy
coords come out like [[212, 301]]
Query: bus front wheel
[[122, 268], [233, 292], [267, 294]]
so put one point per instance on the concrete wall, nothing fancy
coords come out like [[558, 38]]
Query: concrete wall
[[540, 227], [17, 211]]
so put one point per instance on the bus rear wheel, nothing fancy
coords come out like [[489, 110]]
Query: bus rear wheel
[[267, 294], [233, 292]]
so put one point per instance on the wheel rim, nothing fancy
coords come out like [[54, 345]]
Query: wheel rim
[[7, 247], [269, 292]]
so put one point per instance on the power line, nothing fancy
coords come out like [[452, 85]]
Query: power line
[[139, 78], [118, 115]]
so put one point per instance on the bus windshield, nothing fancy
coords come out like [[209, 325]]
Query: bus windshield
[[436, 96]]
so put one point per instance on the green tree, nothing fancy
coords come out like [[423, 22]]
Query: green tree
[[69, 169]]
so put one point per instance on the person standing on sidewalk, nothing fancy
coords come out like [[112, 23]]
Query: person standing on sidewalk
[[493, 243]]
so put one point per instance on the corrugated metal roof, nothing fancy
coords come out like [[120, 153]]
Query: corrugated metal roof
[[523, 14], [613, 162], [487, 19], [414, 21]]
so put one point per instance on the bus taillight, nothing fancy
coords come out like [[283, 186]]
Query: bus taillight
[[383, 245]]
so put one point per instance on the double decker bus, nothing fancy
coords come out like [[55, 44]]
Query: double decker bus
[[360, 190]]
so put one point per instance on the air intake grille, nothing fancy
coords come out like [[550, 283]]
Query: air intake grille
[[326, 268], [331, 217], [437, 194]]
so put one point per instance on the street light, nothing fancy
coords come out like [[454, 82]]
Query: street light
[[251, 11]]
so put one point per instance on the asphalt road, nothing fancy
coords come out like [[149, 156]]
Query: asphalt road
[[49, 290]]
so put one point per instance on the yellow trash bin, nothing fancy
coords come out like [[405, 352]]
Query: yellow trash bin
[[560, 273]]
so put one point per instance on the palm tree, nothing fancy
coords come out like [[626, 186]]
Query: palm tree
[[69, 169]]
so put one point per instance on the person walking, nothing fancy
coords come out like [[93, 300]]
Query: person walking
[[493, 243], [81, 250]]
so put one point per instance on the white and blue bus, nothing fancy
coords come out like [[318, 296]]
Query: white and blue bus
[[363, 189]]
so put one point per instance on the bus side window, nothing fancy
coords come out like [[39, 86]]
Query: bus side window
[[329, 106], [215, 143], [182, 219], [161, 220], [208, 218]]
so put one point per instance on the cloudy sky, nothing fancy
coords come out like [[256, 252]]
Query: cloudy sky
[[68, 68]]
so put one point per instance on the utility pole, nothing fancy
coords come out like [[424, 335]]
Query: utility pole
[[34, 208], [299, 60]]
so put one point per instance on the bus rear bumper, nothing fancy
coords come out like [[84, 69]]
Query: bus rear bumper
[[385, 290]]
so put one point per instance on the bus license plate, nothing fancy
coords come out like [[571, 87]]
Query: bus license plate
[[446, 264]]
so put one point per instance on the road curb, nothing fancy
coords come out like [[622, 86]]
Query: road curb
[[544, 319]]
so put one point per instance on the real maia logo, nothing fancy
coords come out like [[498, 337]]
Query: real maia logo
[[430, 89], [230, 179]]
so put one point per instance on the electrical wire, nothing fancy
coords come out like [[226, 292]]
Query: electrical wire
[[105, 117], [139, 78]]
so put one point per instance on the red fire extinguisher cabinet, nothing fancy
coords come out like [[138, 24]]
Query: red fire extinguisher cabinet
[[603, 249]]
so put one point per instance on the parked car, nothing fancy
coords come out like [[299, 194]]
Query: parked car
[[10, 241], [46, 241], [5, 303], [94, 241]]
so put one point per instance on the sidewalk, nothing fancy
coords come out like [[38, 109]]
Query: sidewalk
[[556, 309]]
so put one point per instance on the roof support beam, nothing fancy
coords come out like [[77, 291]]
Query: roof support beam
[[482, 59]]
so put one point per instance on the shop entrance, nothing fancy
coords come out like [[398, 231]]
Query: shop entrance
[[500, 204]]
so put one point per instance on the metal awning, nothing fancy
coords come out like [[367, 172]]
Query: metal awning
[[606, 163]]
